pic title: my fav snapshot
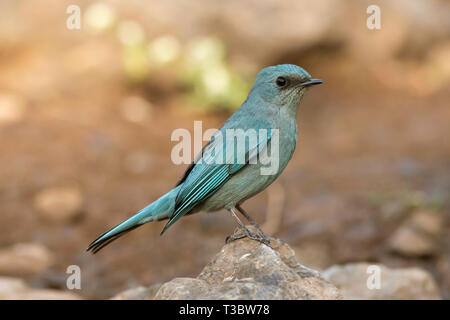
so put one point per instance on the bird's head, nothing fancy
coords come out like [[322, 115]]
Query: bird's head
[[283, 85]]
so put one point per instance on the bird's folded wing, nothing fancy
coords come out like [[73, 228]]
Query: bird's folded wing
[[221, 158]]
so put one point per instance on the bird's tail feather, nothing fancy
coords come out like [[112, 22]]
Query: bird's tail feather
[[158, 210]]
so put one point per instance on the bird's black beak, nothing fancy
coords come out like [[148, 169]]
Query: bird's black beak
[[311, 82]]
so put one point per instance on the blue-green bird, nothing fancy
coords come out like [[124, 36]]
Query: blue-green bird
[[214, 181]]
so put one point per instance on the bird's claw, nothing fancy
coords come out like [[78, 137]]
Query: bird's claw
[[244, 232]]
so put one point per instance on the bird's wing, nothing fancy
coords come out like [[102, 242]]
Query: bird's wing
[[192, 165], [217, 165]]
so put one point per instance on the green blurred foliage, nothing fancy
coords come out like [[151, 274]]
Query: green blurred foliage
[[135, 62], [406, 200], [199, 66], [210, 80]]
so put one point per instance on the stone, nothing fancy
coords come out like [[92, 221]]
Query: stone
[[16, 289], [25, 259], [138, 293], [12, 108], [428, 221], [59, 204], [395, 284], [247, 269], [411, 243], [418, 236]]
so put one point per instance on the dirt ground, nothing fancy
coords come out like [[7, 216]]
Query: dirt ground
[[369, 155]]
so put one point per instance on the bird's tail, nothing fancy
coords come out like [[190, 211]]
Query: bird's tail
[[158, 210]]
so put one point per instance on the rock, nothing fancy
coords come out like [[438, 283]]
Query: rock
[[418, 236], [139, 293], [136, 109], [247, 269], [12, 108], [411, 243], [428, 221], [16, 289], [25, 259], [395, 284], [59, 204]]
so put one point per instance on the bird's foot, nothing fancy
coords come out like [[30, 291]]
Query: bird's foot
[[242, 232], [255, 225], [266, 237]]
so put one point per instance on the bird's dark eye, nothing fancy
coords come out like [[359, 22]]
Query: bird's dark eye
[[281, 82]]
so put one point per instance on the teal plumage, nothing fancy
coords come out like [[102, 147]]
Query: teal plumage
[[216, 181]]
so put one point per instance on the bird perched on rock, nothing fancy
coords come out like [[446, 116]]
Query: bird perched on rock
[[227, 171]]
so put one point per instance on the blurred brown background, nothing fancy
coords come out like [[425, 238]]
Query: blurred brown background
[[86, 117]]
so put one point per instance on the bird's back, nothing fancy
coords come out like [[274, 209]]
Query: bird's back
[[249, 181]]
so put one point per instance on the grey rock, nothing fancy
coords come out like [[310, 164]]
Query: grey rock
[[138, 293], [59, 204], [395, 284], [16, 289], [419, 235], [12, 108], [247, 269], [25, 259]]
